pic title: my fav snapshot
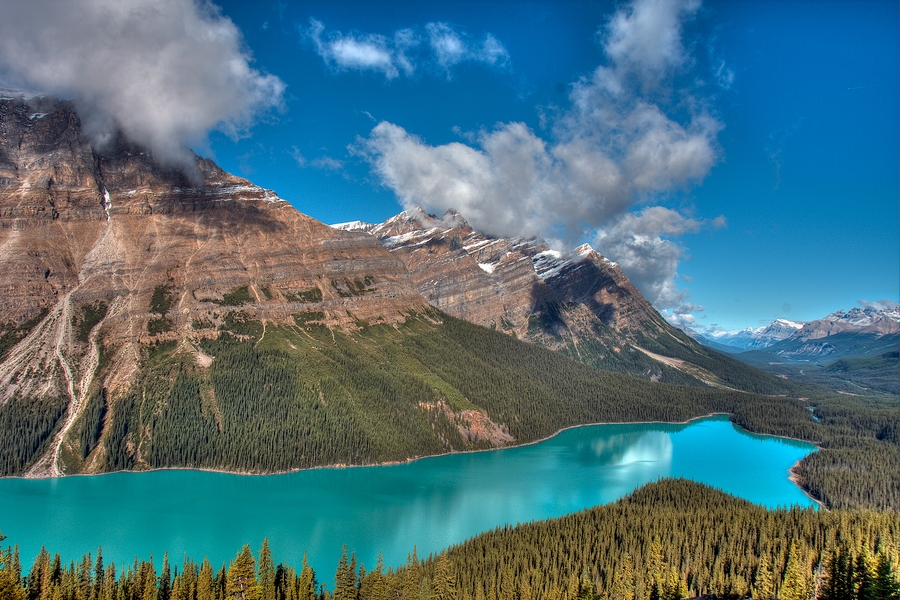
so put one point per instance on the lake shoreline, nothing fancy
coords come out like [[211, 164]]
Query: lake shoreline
[[385, 463], [793, 476]]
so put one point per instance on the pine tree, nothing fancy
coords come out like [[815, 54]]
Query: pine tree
[[83, 581], [623, 580], [266, 572], [96, 592], [795, 585], [377, 584], [345, 578], [586, 589], [674, 587], [206, 584], [838, 576], [306, 585], [863, 578], [9, 582], [109, 583], [165, 580], [39, 576], [241, 583], [443, 585], [885, 586]]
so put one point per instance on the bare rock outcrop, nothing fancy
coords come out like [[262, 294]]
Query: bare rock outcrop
[[103, 250]]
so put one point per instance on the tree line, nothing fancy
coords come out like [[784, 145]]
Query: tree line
[[667, 541], [304, 396]]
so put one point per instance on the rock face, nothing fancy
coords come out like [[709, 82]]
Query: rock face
[[755, 339], [868, 321], [109, 246], [579, 302]]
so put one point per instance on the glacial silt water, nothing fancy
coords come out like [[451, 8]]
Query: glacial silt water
[[430, 504]]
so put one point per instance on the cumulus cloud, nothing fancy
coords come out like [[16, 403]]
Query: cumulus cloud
[[616, 148], [639, 242], [439, 48], [164, 72], [643, 40], [451, 47], [879, 304]]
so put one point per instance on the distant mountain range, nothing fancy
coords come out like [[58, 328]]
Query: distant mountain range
[[819, 339], [854, 351], [751, 339]]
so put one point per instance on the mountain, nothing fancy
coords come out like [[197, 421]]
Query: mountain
[[751, 339], [578, 303], [866, 321], [857, 333], [851, 351], [155, 318], [105, 253]]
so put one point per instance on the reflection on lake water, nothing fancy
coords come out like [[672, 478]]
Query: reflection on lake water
[[651, 447], [430, 503]]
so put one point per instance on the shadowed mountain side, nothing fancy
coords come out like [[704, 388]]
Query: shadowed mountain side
[[579, 303]]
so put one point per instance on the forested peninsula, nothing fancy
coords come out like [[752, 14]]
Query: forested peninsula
[[666, 541]]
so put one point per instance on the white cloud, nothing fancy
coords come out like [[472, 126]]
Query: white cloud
[[643, 40], [327, 163], [323, 163], [451, 47], [439, 49], [164, 72], [367, 52], [879, 304], [639, 242], [617, 147]]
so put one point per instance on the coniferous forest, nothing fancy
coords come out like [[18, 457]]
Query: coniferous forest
[[666, 541], [277, 398], [313, 397]]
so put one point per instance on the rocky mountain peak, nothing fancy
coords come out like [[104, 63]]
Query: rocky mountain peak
[[105, 251], [563, 300]]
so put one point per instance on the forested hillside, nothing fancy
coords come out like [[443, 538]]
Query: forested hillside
[[265, 398], [666, 541]]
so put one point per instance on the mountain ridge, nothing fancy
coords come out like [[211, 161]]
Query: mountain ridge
[[579, 302], [149, 319]]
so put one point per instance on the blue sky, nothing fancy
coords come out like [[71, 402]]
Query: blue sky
[[739, 159]]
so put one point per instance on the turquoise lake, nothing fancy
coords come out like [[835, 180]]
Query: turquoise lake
[[431, 503]]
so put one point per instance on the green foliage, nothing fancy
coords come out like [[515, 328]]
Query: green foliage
[[159, 325], [304, 319], [162, 299], [11, 334], [236, 297], [266, 291], [688, 538], [312, 295], [240, 323], [876, 375], [242, 583], [266, 573], [198, 324], [26, 425], [91, 422], [90, 315], [347, 288]]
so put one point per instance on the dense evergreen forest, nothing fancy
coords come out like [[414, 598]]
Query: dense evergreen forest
[[273, 398], [666, 541]]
